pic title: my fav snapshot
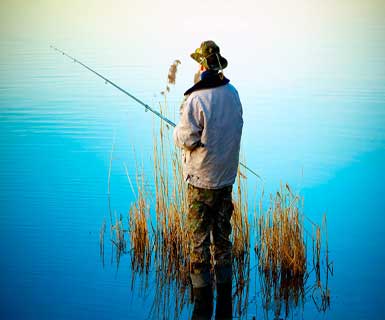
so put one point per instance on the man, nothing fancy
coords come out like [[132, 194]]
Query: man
[[209, 133]]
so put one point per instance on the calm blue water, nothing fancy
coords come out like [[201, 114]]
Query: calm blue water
[[324, 134]]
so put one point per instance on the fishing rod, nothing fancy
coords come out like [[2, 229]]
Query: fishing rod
[[146, 106]]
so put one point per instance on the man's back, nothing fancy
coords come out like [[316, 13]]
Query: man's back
[[213, 116]]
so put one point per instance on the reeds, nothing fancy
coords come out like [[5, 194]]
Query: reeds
[[241, 244], [240, 220], [159, 242], [171, 257], [281, 252], [138, 230]]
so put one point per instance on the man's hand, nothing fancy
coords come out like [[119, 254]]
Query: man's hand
[[199, 145]]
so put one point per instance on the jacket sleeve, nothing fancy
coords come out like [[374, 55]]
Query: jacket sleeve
[[188, 132]]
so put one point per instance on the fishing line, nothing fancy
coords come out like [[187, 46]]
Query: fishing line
[[146, 106]]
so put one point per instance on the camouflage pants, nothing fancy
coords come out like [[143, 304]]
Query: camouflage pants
[[208, 219]]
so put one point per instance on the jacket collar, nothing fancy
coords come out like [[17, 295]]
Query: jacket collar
[[209, 79]]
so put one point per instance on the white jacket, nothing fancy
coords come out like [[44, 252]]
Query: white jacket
[[209, 133]]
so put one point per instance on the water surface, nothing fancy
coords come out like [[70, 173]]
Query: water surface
[[321, 129]]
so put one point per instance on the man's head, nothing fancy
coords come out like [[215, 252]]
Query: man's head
[[208, 55]]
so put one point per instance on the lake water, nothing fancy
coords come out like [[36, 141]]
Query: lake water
[[322, 131]]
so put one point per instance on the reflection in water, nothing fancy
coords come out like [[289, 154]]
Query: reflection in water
[[101, 239], [320, 290], [241, 266]]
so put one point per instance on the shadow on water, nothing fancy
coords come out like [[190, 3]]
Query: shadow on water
[[287, 252]]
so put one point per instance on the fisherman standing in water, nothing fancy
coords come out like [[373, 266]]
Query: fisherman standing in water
[[209, 133]]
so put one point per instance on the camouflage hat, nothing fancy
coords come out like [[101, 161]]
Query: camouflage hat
[[208, 55]]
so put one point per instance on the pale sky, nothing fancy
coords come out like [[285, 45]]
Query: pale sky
[[273, 38]]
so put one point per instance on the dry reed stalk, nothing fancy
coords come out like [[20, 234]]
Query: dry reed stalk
[[138, 230], [239, 219], [130, 182], [109, 178]]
